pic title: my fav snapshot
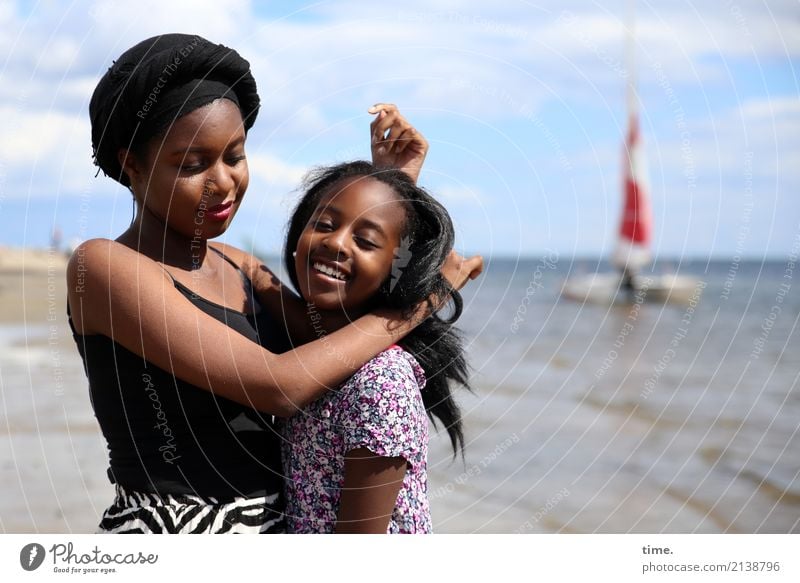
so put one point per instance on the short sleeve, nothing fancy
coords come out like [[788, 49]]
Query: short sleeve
[[382, 408]]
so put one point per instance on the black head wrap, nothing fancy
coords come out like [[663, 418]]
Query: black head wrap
[[154, 83]]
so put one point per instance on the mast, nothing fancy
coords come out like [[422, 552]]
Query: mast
[[633, 246]]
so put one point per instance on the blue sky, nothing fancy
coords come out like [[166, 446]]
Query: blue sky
[[522, 102]]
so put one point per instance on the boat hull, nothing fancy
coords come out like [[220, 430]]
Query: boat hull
[[607, 288]]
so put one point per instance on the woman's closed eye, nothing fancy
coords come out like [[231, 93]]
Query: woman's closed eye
[[192, 167], [195, 166], [234, 160]]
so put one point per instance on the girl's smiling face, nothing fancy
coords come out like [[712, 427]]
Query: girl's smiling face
[[194, 177], [346, 249]]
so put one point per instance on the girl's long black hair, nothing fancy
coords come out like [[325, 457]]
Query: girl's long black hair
[[416, 276]]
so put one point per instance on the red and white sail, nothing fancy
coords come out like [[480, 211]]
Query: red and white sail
[[636, 227]]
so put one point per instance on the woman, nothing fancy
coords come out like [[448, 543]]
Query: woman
[[171, 327]]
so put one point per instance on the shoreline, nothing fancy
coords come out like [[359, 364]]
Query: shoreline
[[33, 260], [33, 285], [35, 294]]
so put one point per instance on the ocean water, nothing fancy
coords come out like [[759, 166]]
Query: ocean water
[[638, 417]]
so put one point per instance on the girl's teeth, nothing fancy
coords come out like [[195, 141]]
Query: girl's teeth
[[328, 271]]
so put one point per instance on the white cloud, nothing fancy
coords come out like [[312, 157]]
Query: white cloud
[[274, 172], [459, 194], [273, 184], [227, 22], [765, 130], [47, 152], [771, 108]]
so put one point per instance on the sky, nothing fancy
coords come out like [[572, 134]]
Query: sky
[[523, 104]]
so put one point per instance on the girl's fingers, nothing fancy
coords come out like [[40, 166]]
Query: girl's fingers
[[405, 139], [383, 110], [383, 123], [412, 138], [382, 107], [381, 114], [395, 142], [389, 124]]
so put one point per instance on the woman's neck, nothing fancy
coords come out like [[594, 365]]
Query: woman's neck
[[151, 236]]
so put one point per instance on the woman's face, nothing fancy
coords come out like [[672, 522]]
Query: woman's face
[[194, 177], [345, 252]]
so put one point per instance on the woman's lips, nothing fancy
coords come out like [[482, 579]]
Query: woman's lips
[[220, 212]]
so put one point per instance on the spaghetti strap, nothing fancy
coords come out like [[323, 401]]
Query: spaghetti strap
[[244, 277], [172, 279]]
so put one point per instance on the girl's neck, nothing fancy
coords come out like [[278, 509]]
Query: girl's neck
[[151, 236], [326, 322]]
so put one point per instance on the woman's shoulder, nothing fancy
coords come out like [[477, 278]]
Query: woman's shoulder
[[93, 255], [106, 258], [93, 246], [102, 270], [100, 249]]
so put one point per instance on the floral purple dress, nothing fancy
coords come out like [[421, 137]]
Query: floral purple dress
[[380, 408]]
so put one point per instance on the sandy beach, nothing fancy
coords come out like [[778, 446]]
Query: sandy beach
[[31, 284], [52, 452]]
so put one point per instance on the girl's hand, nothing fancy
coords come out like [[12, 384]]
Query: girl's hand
[[402, 147], [458, 270]]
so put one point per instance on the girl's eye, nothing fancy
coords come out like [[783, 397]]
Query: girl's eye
[[324, 226], [235, 160], [366, 243]]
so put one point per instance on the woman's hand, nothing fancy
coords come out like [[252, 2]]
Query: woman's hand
[[458, 270], [402, 147]]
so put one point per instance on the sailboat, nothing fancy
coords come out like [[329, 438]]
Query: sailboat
[[632, 251]]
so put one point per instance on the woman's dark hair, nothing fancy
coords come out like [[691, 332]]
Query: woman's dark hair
[[426, 240], [157, 81]]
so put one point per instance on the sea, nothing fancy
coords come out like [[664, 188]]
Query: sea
[[633, 416]]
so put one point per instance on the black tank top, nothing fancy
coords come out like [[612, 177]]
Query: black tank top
[[167, 436]]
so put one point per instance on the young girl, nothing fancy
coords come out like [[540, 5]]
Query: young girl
[[355, 460]]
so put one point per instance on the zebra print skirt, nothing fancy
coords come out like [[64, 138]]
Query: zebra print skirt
[[142, 512]]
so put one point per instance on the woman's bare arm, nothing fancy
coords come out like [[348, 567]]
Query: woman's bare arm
[[287, 307], [119, 293]]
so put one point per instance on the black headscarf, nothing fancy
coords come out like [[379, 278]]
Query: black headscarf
[[154, 83]]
